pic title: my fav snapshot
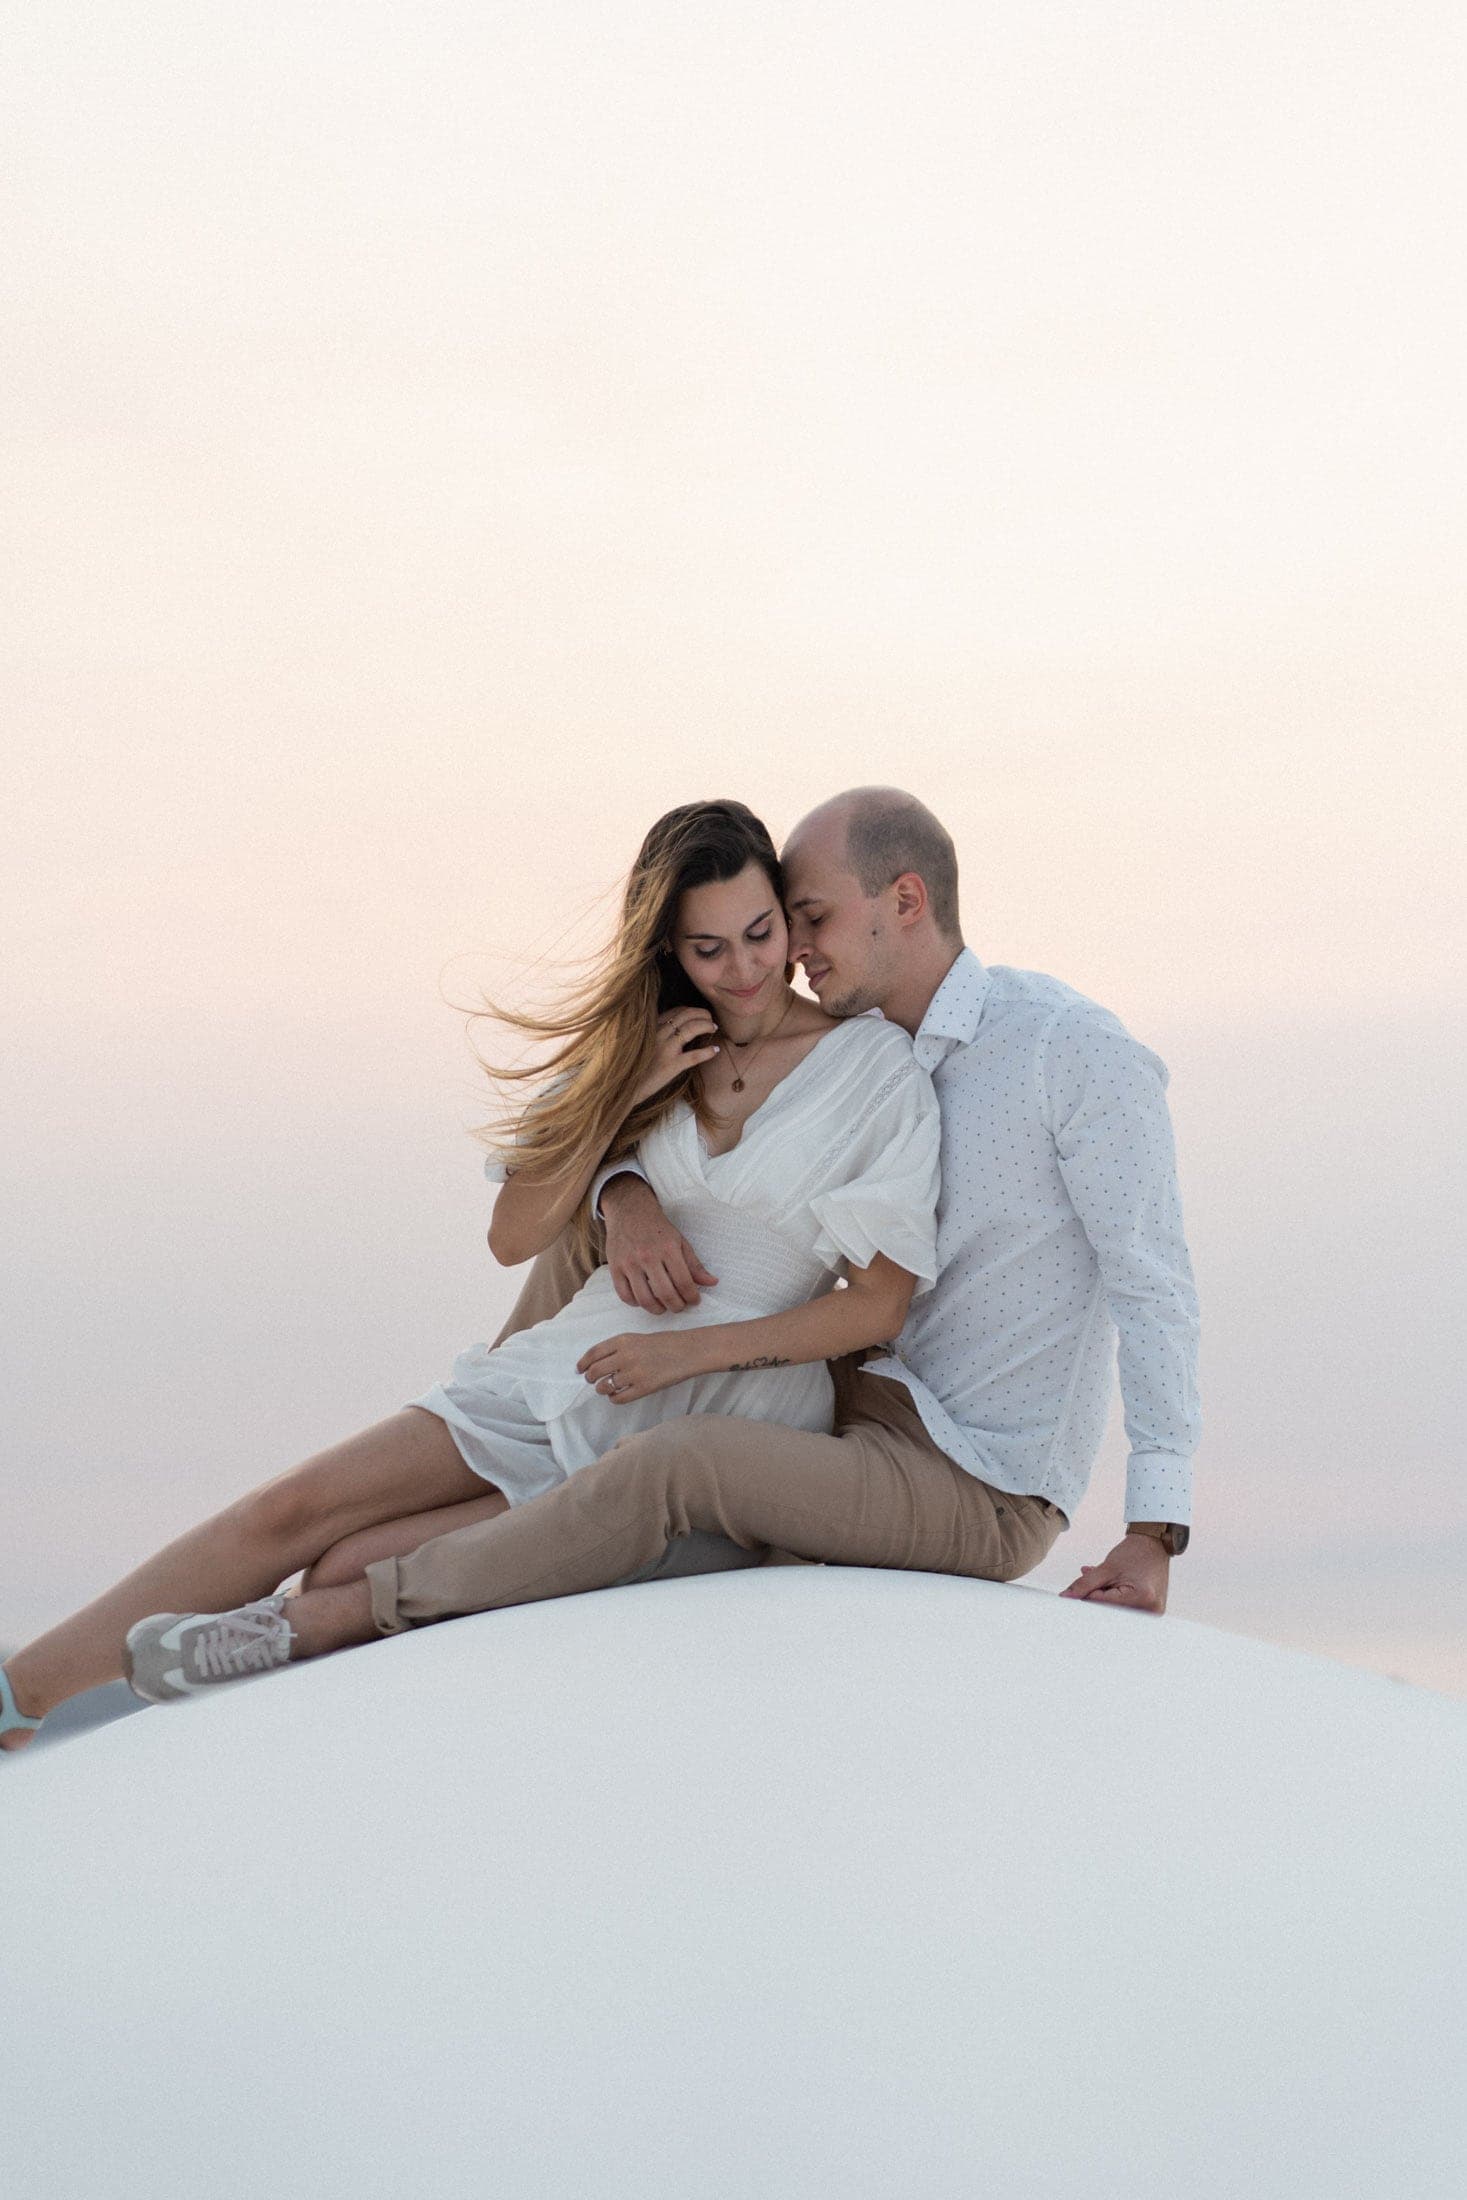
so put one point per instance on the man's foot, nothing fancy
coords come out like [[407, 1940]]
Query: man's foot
[[179, 1654]]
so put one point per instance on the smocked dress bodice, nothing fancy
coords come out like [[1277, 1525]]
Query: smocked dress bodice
[[837, 1165]]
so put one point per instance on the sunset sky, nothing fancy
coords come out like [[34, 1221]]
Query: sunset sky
[[439, 440]]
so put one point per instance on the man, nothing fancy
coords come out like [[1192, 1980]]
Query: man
[[967, 1448]]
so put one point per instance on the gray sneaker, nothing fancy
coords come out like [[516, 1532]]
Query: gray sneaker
[[177, 1654]]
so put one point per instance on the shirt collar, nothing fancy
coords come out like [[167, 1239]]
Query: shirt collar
[[954, 1011]]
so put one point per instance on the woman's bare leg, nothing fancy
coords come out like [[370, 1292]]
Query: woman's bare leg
[[385, 1476], [332, 1619], [385, 1473], [349, 1559], [553, 1281]]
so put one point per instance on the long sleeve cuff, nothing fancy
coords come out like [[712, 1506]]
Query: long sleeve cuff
[[1159, 1487], [604, 1176]]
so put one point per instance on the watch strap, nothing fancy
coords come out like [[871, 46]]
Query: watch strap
[[1172, 1537]]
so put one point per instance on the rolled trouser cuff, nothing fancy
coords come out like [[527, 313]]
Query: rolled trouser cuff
[[382, 1581]]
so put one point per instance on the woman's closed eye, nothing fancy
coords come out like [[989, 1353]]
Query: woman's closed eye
[[755, 939]]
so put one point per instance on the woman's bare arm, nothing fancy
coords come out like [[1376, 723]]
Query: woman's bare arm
[[870, 1310], [529, 1215]]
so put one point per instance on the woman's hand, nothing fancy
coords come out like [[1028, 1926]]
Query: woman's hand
[[683, 1036], [634, 1366]]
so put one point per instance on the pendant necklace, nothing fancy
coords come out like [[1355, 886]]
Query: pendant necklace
[[738, 1083]]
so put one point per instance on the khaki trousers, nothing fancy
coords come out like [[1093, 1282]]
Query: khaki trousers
[[879, 1492]]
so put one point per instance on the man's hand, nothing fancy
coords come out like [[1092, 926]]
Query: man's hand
[[635, 1365], [651, 1265], [1134, 1573]]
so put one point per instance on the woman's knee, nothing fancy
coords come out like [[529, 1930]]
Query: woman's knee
[[287, 1515], [380, 1474]]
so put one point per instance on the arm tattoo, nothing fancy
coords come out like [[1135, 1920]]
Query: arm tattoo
[[766, 1359]]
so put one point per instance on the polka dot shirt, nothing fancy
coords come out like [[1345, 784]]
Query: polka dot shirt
[[1060, 1248]]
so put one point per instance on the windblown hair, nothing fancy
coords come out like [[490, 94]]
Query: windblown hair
[[606, 1030]]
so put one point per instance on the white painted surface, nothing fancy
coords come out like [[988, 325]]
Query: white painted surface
[[794, 1882]]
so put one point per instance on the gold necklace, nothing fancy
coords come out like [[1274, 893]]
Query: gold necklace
[[738, 1083]]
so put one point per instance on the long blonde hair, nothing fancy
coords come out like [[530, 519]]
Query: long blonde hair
[[605, 1032]]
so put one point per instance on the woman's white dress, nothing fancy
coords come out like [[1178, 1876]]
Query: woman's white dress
[[840, 1163]]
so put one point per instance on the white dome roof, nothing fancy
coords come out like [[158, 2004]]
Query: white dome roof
[[800, 1881]]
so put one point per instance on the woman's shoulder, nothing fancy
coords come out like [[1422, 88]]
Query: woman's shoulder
[[878, 1041], [877, 1112], [867, 1063]]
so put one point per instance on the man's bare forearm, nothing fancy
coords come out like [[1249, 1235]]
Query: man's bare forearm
[[619, 1190], [651, 1262]]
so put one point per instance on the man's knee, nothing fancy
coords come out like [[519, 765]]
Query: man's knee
[[697, 1452], [664, 1444], [669, 1474], [685, 1473], [649, 1460]]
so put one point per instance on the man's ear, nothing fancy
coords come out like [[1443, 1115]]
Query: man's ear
[[911, 897]]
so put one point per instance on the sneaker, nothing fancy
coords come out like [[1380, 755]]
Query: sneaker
[[177, 1654]]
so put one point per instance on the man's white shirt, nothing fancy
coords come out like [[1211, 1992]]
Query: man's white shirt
[[1059, 1231], [1059, 1245]]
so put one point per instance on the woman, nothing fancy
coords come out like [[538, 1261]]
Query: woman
[[799, 1152]]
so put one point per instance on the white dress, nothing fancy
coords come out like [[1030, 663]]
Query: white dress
[[840, 1163]]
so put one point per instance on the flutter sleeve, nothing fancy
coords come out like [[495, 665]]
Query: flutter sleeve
[[881, 1177], [500, 1160]]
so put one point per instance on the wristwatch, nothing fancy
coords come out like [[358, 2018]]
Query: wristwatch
[[1172, 1537]]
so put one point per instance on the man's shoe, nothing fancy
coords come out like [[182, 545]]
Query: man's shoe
[[177, 1654]]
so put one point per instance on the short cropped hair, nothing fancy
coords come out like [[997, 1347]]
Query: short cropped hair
[[888, 833]]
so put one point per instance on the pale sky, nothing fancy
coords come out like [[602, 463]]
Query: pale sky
[[437, 441]]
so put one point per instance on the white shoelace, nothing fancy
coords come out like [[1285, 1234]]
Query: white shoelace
[[249, 1641]]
